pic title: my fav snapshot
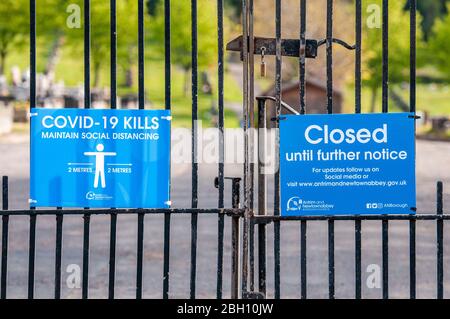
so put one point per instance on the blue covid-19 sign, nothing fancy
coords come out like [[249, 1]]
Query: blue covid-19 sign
[[347, 164], [100, 158]]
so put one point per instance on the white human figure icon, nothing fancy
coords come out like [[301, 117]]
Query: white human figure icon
[[100, 164]]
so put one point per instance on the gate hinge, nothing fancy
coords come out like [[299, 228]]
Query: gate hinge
[[289, 47]]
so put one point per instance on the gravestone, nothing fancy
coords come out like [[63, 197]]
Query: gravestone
[[6, 118]]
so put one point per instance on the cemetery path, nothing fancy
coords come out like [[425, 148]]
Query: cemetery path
[[432, 165]]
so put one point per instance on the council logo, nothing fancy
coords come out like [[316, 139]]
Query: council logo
[[294, 204], [90, 195], [94, 196]]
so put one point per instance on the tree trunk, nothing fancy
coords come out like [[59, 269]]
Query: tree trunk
[[97, 74], [129, 74], [53, 56], [398, 100], [2, 62], [129, 77], [374, 99]]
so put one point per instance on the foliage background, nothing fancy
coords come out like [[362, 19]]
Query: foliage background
[[60, 49]]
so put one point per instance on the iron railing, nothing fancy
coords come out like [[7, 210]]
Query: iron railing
[[87, 214], [252, 218], [260, 218]]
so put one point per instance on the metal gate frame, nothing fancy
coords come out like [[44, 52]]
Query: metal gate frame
[[259, 218], [305, 48]]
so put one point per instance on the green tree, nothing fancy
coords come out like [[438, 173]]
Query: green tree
[[14, 25], [399, 47], [181, 34], [52, 27], [152, 6], [99, 35], [439, 46], [101, 41], [14, 28], [236, 5], [127, 37], [100, 38], [430, 11]]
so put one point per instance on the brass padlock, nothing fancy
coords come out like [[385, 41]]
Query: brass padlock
[[263, 63]]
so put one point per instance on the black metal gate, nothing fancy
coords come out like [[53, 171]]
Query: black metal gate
[[257, 220], [249, 262], [194, 212]]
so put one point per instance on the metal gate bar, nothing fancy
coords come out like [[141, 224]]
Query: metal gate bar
[[113, 105], [329, 58], [5, 235], [303, 236], [440, 243], [32, 237], [385, 107], [132, 211], [141, 99], [168, 106], [58, 254], [302, 78], [358, 87], [87, 105], [412, 105], [276, 212], [194, 217], [246, 88], [221, 166], [250, 141]]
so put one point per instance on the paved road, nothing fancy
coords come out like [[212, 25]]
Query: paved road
[[432, 165]]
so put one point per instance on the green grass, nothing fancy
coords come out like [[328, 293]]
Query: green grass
[[431, 98], [70, 70], [21, 128], [427, 131]]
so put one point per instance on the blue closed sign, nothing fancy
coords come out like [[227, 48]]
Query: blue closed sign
[[100, 158], [347, 164]]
